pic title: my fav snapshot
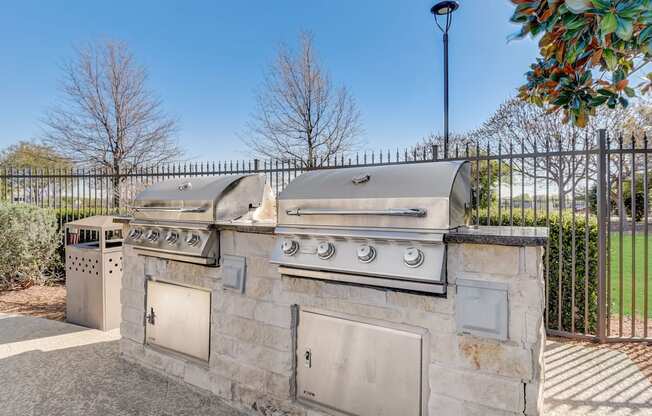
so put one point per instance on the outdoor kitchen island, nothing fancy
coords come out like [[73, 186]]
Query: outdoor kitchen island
[[282, 344]]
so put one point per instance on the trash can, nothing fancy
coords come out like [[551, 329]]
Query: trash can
[[93, 272]]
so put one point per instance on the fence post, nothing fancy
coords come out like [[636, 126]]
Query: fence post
[[256, 163], [603, 223]]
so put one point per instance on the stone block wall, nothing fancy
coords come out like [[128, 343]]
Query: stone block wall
[[251, 360]]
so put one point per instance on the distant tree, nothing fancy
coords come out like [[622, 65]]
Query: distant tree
[[34, 156], [520, 127], [488, 174], [107, 118], [590, 49], [30, 158], [299, 114]]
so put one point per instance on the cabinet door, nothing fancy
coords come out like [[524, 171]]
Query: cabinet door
[[358, 368], [178, 318]]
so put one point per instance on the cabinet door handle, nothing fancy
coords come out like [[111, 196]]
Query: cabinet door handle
[[150, 316]]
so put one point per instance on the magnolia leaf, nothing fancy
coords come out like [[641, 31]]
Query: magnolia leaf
[[601, 4], [599, 100], [610, 59], [630, 92], [625, 28], [620, 85], [608, 24], [606, 92], [578, 6], [645, 34]]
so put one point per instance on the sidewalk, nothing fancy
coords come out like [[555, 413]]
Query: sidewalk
[[54, 368], [588, 379]]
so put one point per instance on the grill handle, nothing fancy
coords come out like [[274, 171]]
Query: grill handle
[[170, 209], [394, 212]]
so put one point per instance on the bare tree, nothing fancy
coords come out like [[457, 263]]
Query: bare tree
[[299, 114], [519, 127], [107, 118]]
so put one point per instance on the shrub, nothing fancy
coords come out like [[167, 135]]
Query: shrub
[[29, 239], [585, 277]]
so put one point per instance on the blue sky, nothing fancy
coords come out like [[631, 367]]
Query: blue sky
[[206, 59]]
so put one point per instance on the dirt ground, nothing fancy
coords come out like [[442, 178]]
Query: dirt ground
[[41, 301]]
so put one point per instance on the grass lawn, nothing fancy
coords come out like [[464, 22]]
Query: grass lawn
[[627, 270]]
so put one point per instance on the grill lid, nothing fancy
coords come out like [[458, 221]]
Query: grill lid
[[424, 196], [200, 199]]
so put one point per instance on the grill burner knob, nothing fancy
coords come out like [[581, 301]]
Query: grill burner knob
[[192, 239], [325, 250], [289, 247], [171, 237], [152, 235], [413, 257], [135, 234], [366, 254]]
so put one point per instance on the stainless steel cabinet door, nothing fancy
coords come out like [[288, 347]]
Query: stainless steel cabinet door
[[358, 368], [178, 318]]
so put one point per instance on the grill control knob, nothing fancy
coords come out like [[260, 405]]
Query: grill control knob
[[413, 257], [289, 247], [171, 237], [152, 235], [325, 250], [135, 234], [366, 254], [192, 239]]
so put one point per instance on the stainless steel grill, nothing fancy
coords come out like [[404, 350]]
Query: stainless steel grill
[[379, 226], [179, 219]]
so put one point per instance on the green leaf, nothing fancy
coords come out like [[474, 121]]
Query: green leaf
[[562, 100], [618, 75], [630, 92], [601, 4], [575, 23], [606, 92], [625, 28], [610, 58], [578, 6], [599, 100], [609, 24], [645, 34]]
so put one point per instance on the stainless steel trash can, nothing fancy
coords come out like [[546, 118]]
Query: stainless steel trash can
[[93, 272]]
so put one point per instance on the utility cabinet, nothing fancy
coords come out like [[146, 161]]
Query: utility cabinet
[[93, 272], [178, 318], [358, 368]]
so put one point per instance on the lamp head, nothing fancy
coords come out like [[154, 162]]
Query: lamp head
[[444, 7]]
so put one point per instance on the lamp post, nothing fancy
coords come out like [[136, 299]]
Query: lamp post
[[445, 8]]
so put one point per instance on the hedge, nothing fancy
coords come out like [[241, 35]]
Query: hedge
[[29, 239], [552, 264]]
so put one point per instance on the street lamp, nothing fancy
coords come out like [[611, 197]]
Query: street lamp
[[445, 8]]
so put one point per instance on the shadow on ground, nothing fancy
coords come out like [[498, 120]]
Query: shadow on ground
[[587, 379], [16, 328], [71, 370]]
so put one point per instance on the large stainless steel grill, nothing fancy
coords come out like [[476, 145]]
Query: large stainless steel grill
[[178, 218], [380, 226]]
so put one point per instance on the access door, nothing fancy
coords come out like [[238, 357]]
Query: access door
[[178, 318], [358, 368]]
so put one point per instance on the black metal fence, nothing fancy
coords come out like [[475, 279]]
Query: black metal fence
[[591, 193]]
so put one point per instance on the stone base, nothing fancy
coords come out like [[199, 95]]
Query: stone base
[[251, 359]]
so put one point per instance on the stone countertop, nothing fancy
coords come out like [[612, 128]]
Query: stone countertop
[[503, 236]]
